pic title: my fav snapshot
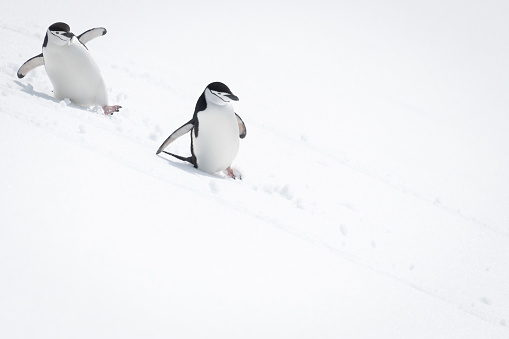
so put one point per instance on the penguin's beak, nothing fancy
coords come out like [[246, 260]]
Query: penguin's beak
[[233, 97], [68, 34]]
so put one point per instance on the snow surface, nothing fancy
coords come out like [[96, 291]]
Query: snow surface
[[375, 199]]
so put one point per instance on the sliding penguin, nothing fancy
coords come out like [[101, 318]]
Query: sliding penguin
[[71, 68], [215, 131]]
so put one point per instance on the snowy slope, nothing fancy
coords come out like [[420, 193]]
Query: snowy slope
[[374, 200]]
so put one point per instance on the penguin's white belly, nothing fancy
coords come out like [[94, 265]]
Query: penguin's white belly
[[217, 143], [75, 75]]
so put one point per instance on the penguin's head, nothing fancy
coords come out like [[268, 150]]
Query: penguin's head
[[219, 94], [58, 34]]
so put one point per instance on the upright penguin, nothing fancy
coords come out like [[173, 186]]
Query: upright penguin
[[70, 67], [215, 131]]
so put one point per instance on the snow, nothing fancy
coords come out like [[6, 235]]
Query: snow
[[374, 195]]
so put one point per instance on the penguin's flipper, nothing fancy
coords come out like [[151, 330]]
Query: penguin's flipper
[[177, 134], [242, 127], [30, 64], [91, 34]]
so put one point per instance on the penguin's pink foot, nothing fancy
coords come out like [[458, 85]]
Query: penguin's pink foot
[[109, 110], [233, 173]]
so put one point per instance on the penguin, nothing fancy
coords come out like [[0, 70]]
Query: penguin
[[215, 131], [71, 68]]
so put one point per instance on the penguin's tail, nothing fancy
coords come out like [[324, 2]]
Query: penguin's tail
[[188, 159]]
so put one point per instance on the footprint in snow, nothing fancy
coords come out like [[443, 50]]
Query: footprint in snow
[[153, 136], [486, 301], [343, 229], [214, 188]]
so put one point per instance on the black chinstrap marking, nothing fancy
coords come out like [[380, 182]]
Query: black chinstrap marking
[[58, 36], [218, 96]]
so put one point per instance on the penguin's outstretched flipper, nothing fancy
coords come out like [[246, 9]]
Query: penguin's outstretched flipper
[[91, 34], [30, 64], [177, 134]]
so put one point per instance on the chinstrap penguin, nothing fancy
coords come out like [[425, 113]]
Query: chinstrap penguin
[[215, 131], [71, 68]]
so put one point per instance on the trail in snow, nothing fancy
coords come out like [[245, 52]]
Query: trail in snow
[[122, 140]]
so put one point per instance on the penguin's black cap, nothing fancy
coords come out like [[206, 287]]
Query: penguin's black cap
[[220, 87], [60, 26]]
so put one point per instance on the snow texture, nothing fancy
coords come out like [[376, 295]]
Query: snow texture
[[374, 200]]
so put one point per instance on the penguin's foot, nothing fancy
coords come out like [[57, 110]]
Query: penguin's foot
[[234, 174], [109, 110]]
